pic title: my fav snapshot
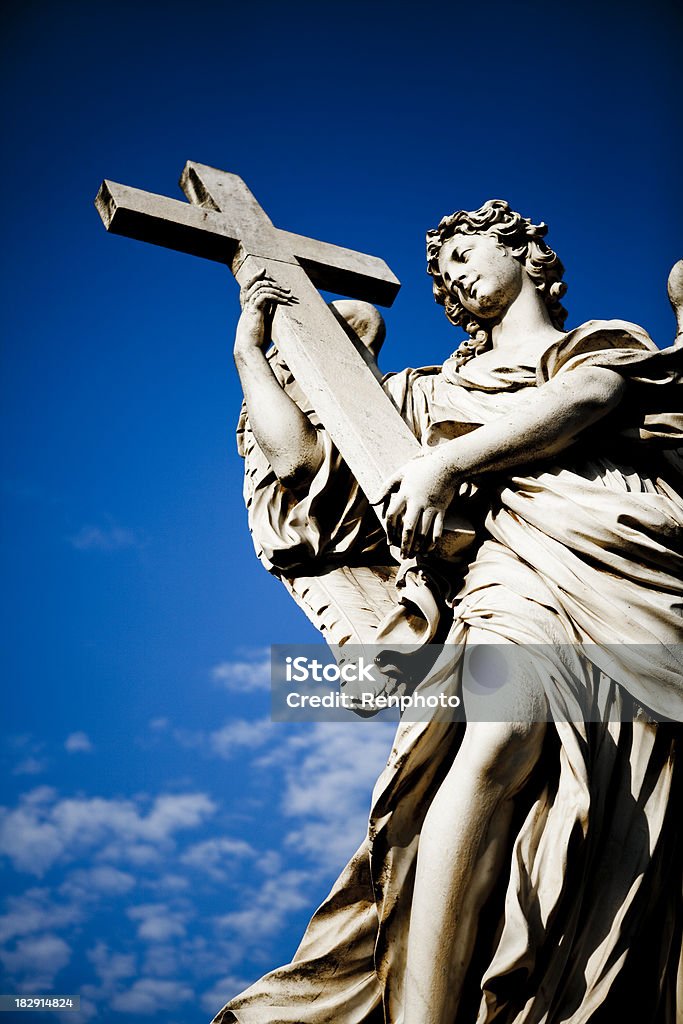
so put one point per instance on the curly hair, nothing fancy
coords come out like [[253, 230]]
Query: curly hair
[[525, 242]]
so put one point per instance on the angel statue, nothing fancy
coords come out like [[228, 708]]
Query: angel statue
[[527, 869]]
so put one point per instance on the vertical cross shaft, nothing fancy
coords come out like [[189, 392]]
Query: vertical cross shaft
[[224, 222]]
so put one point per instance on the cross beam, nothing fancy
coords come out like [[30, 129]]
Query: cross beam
[[225, 223]]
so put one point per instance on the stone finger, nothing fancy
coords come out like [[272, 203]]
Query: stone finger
[[410, 520], [424, 539], [437, 528], [394, 512], [269, 295]]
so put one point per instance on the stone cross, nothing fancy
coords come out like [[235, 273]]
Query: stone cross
[[225, 223]]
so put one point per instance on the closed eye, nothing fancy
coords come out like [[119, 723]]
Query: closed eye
[[460, 255]]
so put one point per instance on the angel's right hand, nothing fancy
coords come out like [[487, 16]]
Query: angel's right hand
[[259, 297]]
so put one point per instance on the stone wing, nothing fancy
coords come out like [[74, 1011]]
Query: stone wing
[[347, 603]]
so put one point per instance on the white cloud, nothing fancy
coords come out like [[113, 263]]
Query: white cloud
[[30, 753], [168, 882], [78, 742], [240, 733], [325, 774], [36, 961], [35, 911], [31, 844], [158, 922], [163, 961], [246, 674], [155, 948], [329, 771], [270, 862], [88, 1011], [266, 909], [111, 966], [101, 880], [30, 766], [233, 738], [40, 831], [138, 855], [205, 954], [149, 995], [221, 991], [107, 538], [211, 855], [39, 795]]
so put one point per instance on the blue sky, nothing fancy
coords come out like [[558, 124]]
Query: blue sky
[[161, 842]]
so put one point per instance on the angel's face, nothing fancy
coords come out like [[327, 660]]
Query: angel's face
[[481, 273]]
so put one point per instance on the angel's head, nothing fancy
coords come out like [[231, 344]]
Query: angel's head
[[478, 259]]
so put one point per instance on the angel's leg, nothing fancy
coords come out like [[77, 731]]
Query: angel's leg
[[462, 847]]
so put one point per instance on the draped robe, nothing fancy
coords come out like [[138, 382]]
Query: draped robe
[[584, 549]]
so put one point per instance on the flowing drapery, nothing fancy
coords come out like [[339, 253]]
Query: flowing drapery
[[585, 550]]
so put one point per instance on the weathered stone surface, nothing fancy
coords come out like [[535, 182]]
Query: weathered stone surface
[[488, 886], [229, 225], [206, 228], [451, 909]]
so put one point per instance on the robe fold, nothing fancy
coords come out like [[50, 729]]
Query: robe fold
[[582, 553]]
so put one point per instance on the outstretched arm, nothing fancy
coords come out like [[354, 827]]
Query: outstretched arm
[[550, 420], [284, 433]]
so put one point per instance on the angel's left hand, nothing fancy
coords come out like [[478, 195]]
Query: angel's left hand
[[418, 495]]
